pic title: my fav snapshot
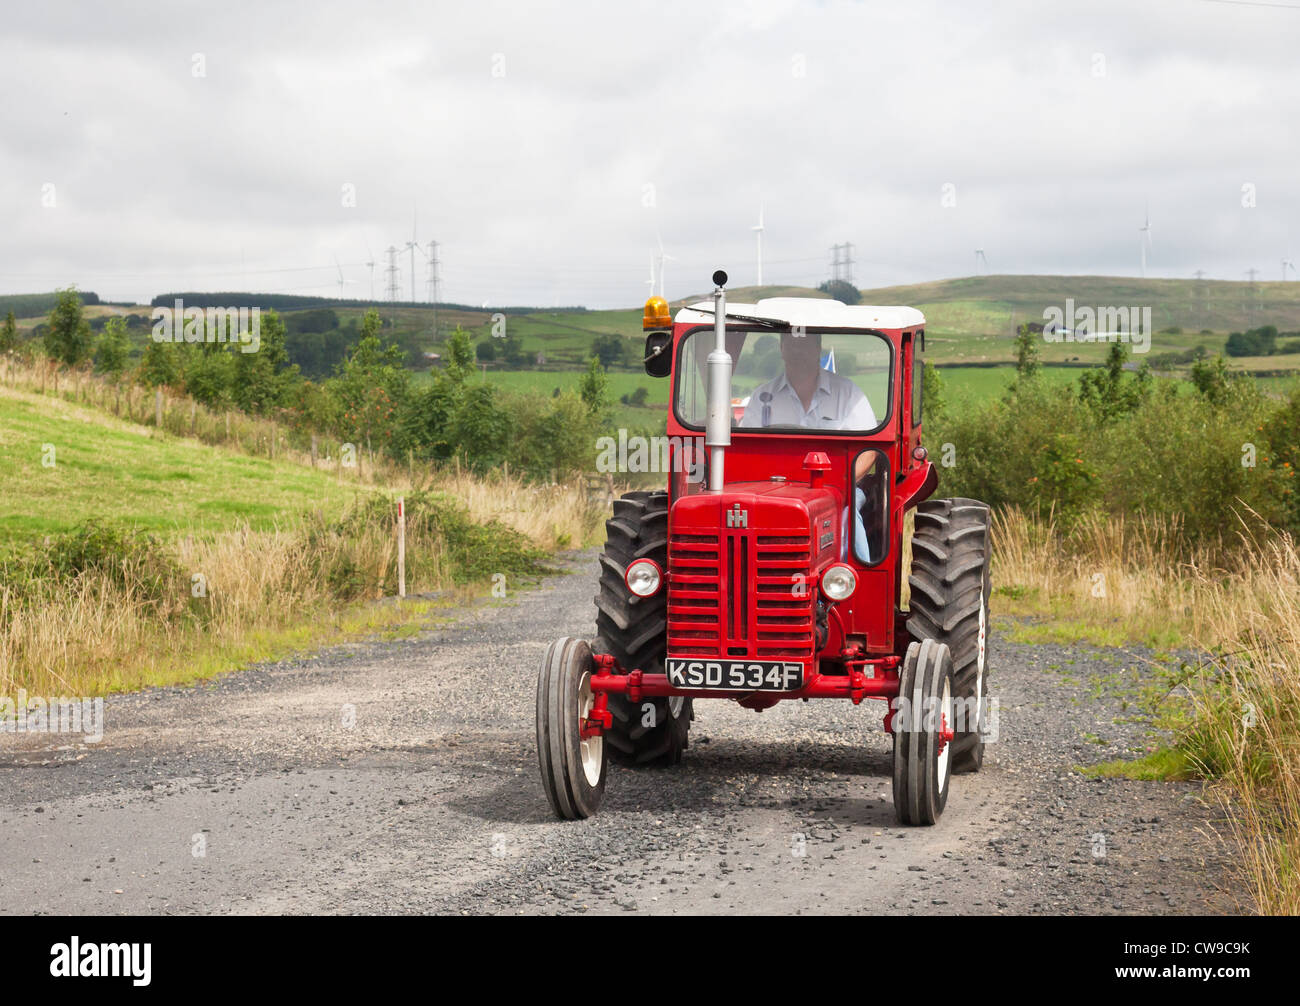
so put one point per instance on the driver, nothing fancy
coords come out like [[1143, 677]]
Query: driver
[[807, 395]]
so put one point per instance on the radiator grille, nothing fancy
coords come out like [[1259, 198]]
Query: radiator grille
[[740, 595]]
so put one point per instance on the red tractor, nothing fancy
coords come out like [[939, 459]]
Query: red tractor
[[780, 577]]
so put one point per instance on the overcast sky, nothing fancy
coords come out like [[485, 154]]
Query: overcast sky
[[548, 150]]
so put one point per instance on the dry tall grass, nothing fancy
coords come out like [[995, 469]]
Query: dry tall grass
[[262, 593], [1138, 578], [1254, 716], [553, 516]]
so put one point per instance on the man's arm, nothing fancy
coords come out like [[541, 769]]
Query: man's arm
[[858, 414]]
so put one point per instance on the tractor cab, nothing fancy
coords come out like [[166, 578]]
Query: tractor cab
[[824, 447], [770, 566]]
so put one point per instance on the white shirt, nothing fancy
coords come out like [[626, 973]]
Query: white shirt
[[837, 404]]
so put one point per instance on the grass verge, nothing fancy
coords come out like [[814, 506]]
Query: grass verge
[[1112, 581]]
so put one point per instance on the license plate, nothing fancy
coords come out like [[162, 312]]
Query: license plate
[[735, 675]]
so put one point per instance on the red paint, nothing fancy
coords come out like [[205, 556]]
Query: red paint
[[744, 565]]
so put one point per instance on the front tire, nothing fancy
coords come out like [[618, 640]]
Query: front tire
[[573, 767], [922, 750], [635, 631]]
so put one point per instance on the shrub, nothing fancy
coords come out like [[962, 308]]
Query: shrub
[[134, 562], [113, 348], [1045, 449], [481, 429]]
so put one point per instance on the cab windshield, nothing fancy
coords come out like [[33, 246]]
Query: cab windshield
[[833, 381]]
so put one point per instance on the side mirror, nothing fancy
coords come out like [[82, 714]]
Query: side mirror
[[658, 355]]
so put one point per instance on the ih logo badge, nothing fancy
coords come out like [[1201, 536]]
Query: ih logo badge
[[737, 517]]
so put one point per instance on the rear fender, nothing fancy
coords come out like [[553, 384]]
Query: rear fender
[[917, 486]]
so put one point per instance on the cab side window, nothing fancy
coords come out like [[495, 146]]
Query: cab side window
[[918, 378]]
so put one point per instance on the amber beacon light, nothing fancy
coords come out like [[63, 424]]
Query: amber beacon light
[[656, 314]]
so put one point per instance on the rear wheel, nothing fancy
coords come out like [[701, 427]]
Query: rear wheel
[[922, 723], [634, 631], [950, 604], [573, 766]]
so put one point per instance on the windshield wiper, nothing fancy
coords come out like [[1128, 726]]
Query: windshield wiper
[[748, 318]]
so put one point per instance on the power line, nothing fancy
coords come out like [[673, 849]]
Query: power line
[[842, 262], [1254, 3]]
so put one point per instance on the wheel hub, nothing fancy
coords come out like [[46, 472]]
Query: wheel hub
[[591, 744]]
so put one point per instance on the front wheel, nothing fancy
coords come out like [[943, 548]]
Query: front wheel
[[573, 765], [923, 733]]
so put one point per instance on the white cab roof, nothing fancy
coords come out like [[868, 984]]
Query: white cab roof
[[810, 312]]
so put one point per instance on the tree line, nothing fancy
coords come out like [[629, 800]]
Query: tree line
[[369, 398]]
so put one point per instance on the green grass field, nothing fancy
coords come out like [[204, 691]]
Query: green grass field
[[621, 383], [971, 319], [109, 469]]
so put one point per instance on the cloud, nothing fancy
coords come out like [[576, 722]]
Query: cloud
[[548, 150]]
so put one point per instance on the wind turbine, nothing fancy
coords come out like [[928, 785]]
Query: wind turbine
[[411, 246], [663, 257], [1144, 242], [371, 264], [758, 237], [1287, 264], [651, 281], [979, 257], [342, 281]]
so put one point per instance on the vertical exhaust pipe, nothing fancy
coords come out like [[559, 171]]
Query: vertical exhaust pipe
[[717, 428]]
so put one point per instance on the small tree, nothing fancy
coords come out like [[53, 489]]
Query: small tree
[[932, 390], [512, 351], [609, 349], [841, 290], [210, 376], [481, 428], [593, 387], [371, 387], [9, 333], [1107, 393], [113, 349], [485, 352], [264, 379], [1212, 379], [159, 364], [1027, 364], [460, 355], [67, 338]]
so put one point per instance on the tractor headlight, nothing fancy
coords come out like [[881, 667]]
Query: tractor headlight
[[644, 577], [838, 582]]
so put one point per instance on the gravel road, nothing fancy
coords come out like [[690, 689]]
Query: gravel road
[[258, 793]]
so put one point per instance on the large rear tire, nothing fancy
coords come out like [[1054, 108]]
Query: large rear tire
[[950, 604], [635, 631], [922, 755]]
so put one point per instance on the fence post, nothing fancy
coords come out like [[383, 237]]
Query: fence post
[[157, 407], [313, 450], [401, 546]]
